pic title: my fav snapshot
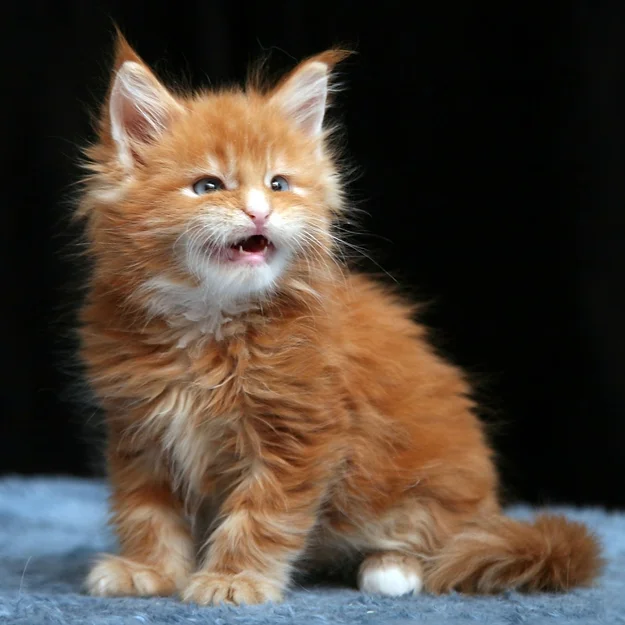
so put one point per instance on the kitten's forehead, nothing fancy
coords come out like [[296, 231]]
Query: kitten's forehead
[[229, 161], [229, 133]]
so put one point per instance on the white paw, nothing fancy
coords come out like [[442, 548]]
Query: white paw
[[392, 580]]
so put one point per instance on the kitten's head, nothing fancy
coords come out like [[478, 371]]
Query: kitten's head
[[229, 191]]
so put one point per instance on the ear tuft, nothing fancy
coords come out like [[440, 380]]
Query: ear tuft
[[124, 51]]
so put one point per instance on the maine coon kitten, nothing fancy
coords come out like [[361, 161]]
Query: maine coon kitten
[[250, 378]]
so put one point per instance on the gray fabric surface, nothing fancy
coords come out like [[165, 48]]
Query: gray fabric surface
[[51, 528]]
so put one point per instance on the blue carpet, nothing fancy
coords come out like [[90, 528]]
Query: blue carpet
[[51, 528]]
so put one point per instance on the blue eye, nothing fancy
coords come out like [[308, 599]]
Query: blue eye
[[206, 185], [279, 183]]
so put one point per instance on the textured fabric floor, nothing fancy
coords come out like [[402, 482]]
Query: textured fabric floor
[[51, 528]]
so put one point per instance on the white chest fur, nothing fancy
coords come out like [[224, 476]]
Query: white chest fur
[[192, 312]]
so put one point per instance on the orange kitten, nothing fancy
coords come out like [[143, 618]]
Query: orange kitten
[[268, 410]]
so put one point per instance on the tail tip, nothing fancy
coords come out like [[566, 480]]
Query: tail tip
[[573, 557], [551, 554]]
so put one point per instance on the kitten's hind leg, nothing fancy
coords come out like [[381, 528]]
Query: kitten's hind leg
[[390, 573]]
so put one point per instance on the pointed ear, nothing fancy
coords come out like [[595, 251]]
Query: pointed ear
[[303, 93], [139, 109]]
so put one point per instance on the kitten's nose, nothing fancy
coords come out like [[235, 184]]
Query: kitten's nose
[[257, 207]]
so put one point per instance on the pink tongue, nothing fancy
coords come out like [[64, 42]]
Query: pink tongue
[[254, 244]]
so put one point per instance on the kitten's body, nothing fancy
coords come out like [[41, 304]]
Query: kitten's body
[[296, 403]]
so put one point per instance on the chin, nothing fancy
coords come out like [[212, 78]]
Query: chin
[[236, 277]]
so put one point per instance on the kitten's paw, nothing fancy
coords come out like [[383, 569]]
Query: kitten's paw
[[114, 576], [391, 574], [243, 588]]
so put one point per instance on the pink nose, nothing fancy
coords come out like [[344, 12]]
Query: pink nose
[[257, 207], [259, 218]]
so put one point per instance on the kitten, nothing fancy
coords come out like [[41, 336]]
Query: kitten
[[263, 402]]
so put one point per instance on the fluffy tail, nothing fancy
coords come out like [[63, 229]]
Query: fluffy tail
[[500, 553]]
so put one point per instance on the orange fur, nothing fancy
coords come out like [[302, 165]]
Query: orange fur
[[307, 413]]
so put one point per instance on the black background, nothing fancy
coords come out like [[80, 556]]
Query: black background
[[490, 139]]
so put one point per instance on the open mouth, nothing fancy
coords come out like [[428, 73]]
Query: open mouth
[[252, 249]]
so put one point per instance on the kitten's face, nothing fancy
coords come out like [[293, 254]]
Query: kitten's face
[[234, 194], [226, 191]]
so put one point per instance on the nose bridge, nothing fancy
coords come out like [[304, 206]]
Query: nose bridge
[[256, 204]]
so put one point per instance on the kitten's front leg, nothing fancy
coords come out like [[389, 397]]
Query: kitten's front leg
[[263, 529], [155, 542]]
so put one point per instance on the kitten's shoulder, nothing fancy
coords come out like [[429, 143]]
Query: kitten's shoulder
[[364, 297]]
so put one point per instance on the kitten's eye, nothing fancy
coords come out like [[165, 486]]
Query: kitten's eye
[[279, 183], [207, 185]]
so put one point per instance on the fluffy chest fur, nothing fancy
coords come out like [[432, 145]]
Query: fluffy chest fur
[[219, 405], [192, 313]]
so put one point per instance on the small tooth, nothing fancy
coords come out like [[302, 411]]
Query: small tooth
[[241, 249]]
